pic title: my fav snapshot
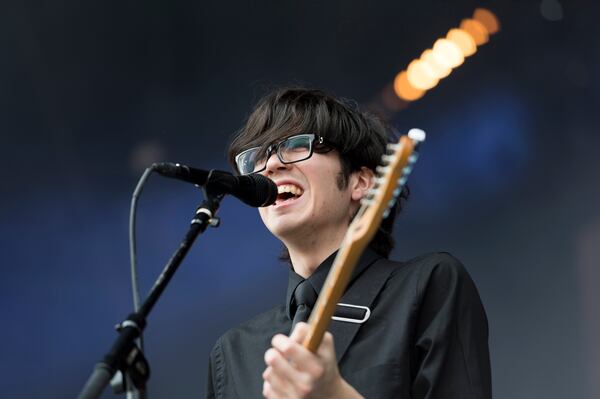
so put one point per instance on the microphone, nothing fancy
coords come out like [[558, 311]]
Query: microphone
[[254, 190]]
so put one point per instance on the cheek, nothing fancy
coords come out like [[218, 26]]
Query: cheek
[[321, 206], [331, 202]]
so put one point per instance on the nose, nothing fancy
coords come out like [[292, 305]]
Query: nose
[[274, 164]]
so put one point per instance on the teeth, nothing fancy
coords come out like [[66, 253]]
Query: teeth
[[289, 188]]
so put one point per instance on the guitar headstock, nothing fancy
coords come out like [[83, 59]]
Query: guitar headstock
[[391, 177]]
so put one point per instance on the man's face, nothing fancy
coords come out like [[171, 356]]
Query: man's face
[[310, 203]]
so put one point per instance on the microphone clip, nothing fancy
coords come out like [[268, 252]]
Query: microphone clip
[[213, 221], [210, 204]]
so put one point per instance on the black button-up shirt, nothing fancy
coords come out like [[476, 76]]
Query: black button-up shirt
[[426, 336]]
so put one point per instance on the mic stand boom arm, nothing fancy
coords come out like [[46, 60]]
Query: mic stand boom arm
[[124, 354]]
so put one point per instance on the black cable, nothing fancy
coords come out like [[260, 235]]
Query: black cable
[[133, 263]]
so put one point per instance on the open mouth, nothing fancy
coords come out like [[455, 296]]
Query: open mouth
[[287, 193]]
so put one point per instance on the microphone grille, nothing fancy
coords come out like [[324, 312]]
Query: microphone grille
[[265, 191]]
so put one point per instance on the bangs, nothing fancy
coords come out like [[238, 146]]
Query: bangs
[[288, 112], [283, 120]]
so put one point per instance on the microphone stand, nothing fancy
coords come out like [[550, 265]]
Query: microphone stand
[[125, 355]]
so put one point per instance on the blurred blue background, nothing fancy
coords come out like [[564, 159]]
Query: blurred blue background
[[93, 92]]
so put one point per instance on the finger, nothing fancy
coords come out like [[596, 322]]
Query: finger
[[327, 347], [271, 392], [282, 387], [300, 357], [280, 382], [286, 377], [273, 386], [280, 365], [300, 332], [271, 376]]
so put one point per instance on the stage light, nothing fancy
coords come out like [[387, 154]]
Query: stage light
[[405, 90], [463, 40], [421, 75], [487, 19], [476, 29], [449, 52], [440, 69]]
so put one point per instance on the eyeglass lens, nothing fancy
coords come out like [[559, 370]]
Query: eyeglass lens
[[290, 150]]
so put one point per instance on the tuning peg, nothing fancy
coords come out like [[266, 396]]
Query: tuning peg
[[382, 169], [392, 146], [413, 158], [402, 180], [397, 192], [366, 201], [386, 213], [407, 170], [417, 135], [387, 158], [379, 181]]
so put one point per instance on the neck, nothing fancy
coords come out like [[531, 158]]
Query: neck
[[307, 254]]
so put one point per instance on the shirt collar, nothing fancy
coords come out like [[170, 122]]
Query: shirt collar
[[317, 279]]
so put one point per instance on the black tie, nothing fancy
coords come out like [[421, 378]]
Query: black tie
[[305, 298]]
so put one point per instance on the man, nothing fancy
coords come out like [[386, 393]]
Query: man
[[415, 329]]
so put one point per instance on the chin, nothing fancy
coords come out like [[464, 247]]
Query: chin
[[284, 226], [283, 229]]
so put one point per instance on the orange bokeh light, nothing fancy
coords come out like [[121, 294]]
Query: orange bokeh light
[[463, 40], [421, 75], [449, 52], [405, 90], [476, 29], [487, 19], [438, 65]]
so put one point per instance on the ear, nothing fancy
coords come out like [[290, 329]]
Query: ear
[[361, 181]]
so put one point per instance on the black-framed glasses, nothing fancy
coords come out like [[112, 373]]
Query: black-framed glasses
[[292, 149]]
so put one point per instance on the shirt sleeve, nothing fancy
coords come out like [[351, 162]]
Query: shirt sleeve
[[210, 389], [215, 373], [451, 340]]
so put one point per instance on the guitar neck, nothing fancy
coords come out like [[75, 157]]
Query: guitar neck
[[331, 293], [362, 229]]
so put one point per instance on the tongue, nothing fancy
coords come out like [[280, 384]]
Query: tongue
[[285, 196]]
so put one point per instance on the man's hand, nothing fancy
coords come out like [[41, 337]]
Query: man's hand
[[295, 372]]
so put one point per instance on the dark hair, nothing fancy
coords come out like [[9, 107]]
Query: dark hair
[[359, 137]]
